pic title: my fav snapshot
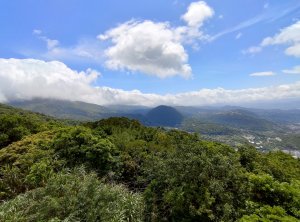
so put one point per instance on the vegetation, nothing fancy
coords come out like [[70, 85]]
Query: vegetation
[[74, 196], [15, 124], [270, 129], [119, 170]]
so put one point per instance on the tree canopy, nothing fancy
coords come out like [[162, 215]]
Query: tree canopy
[[119, 170]]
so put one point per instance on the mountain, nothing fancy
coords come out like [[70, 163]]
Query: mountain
[[164, 116], [229, 116], [265, 129], [81, 111], [132, 109], [64, 109], [280, 116], [237, 117], [241, 119]]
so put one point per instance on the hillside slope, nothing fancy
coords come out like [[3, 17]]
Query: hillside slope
[[64, 109]]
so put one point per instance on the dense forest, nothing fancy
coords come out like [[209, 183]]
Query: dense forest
[[116, 169]]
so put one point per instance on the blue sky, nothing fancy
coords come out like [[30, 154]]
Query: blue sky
[[222, 45]]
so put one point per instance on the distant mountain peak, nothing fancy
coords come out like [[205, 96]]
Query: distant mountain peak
[[165, 116]]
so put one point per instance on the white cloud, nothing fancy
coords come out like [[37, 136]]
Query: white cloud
[[153, 48], [37, 31], [294, 70], [293, 50], [267, 73], [252, 50], [288, 36], [156, 48], [148, 47], [197, 13], [51, 43], [29, 78]]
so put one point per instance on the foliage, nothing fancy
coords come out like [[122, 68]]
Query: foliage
[[27, 164], [74, 196], [78, 145], [136, 173], [200, 181], [280, 165], [269, 214], [15, 124], [266, 190]]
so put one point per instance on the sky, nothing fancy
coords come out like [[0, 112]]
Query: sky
[[173, 52]]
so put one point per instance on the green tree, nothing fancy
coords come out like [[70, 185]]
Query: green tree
[[200, 181], [78, 145]]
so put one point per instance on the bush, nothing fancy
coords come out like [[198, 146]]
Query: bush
[[74, 196], [27, 164]]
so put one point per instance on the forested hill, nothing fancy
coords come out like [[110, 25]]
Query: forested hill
[[116, 169], [164, 116], [64, 109]]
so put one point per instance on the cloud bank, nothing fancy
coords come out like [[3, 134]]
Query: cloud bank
[[29, 78]]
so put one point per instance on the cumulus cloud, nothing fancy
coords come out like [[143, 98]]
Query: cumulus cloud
[[197, 13], [148, 47], [288, 35], [156, 48], [259, 74], [294, 70], [30, 78]]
